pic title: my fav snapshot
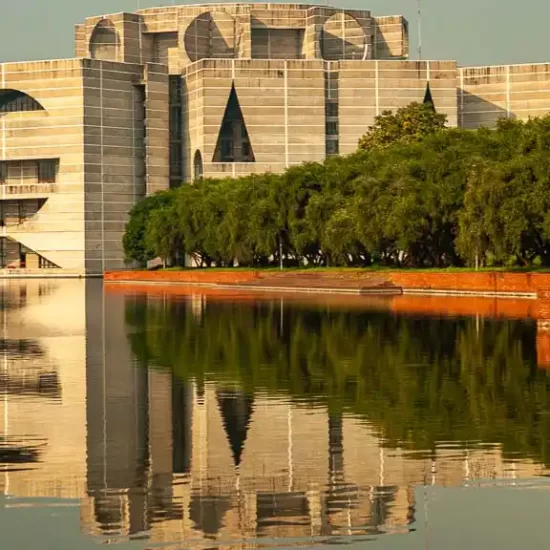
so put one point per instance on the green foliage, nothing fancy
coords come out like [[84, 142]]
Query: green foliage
[[408, 124], [416, 194], [506, 214], [135, 247], [163, 235]]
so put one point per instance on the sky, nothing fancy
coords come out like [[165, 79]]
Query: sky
[[473, 32]]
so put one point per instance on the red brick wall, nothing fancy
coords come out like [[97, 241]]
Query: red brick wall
[[538, 283], [190, 276], [481, 281]]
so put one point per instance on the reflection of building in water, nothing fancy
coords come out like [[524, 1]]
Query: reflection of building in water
[[201, 463], [117, 434], [144, 452], [42, 386]]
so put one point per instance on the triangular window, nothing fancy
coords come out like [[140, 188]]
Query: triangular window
[[233, 143], [428, 99]]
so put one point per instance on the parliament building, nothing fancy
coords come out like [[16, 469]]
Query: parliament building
[[166, 95]]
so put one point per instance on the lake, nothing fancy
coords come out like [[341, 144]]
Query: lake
[[184, 418]]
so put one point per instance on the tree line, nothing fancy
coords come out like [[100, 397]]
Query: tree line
[[415, 194]]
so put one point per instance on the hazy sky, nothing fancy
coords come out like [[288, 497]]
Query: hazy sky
[[474, 32]]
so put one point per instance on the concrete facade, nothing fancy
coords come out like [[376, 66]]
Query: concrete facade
[[162, 96], [87, 125]]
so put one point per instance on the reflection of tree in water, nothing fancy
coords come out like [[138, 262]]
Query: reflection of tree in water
[[236, 409], [419, 380]]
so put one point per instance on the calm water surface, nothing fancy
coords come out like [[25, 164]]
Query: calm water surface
[[149, 421]]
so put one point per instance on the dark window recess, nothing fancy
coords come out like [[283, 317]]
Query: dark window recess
[[2, 215], [2, 253], [140, 99], [233, 143], [175, 123], [46, 264], [175, 159], [22, 211], [332, 128], [175, 90], [47, 171], [176, 131], [14, 101], [332, 147], [332, 109], [197, 163], [3, 172]]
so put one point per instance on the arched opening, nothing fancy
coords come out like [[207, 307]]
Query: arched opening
[[14, 101], [343, 38], [105, 42], [197, 165], [210, 34]]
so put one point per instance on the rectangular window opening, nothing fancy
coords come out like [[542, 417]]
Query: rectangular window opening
[[47, 171], [176, 159], [332, 128], [227, 150], [332, 109], [332, 147], [3, 172], [22, 209]]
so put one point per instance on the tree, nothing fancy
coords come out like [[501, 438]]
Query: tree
[[135, 247], [507, 211], [414, 196], [408, 124], [163, 236]]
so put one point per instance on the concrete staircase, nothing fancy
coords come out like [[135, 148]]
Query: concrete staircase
[[343, 281]]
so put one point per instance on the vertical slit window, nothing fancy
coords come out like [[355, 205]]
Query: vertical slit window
[[22, 209], [175, 159], [332, 147], [332, 109], [175, 124], [332, 128], [197, 163], [3, 172]]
